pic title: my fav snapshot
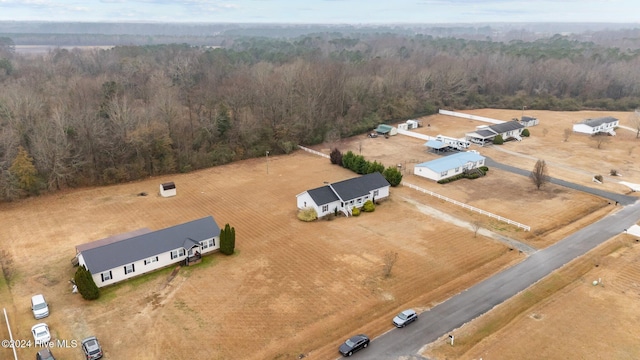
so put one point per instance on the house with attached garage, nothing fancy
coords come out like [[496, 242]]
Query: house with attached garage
[[343, 196], [448, 166], [604, 125], [141, 251]]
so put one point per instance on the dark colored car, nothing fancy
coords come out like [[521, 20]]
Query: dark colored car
[[91, 348], [45, 354], [405, 318], [354, 344]]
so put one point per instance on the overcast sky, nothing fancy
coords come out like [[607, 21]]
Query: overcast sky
[[324, 11]]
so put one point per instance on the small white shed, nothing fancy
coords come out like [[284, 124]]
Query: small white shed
[[168, 189]]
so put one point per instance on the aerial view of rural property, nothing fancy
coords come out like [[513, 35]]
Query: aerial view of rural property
[[280, 180]]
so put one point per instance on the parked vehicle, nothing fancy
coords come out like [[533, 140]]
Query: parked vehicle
[[41, 333], [39, 306], [91, 348], [45, 354], [405, 318], [354, 344]]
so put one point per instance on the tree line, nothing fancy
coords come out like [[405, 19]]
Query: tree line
[[72, 118]]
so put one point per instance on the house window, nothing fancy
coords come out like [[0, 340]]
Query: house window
[[444, 173], [457, 169], [375, 193], [106, 276], [207, 244], [129, 269], [177, 253], [151, 260], [325, 208]]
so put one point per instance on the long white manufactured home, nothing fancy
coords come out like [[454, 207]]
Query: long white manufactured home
[[604, 125], [448, 166], [124, 256]]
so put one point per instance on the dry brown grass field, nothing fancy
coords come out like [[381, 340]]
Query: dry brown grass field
[[295, 288]]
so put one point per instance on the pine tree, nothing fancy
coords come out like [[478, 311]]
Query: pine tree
[[227, 240]]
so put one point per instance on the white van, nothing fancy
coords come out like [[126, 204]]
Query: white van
[[39, 306]]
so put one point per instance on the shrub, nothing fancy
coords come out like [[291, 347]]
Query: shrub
[[498, 140], [369, 206], [525, 133], [613, 172], [309, 214], [599, 178], [86, 286], [393, 176], [484, 168], [336, 157], [355, 211]]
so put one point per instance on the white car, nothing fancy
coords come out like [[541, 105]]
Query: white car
[[41, 333], [39, 306]]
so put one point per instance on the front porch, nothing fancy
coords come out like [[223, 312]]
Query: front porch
[[193, 259]]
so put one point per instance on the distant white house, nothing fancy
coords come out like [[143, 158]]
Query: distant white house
[[486, 133], [343, 196], [448, 166], [127, 255], [604, 125]]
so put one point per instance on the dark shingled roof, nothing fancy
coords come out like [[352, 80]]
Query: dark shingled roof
[[127, 251], [528, 118], [506, 126], [323, 195], [350, 189], [599, 121], [360, 186]]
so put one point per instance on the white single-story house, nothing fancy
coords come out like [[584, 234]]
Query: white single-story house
[[448, 166], [343, 196], [485, 133], [168, 189], [527, 121], [605, 125], [385, 129], [124, 256]]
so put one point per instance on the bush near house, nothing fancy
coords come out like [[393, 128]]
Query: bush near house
[[308, 214], [498, 140], [369, 206], [472, 175], [355, 211], [86, 286], [359, 165], [484, 168], [525, 133]]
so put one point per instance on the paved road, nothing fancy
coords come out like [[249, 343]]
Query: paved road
[[482, 297], [620, 198]]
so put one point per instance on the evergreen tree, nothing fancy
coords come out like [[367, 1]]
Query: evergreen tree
[[393, 176], [227, 240], [86, 286]]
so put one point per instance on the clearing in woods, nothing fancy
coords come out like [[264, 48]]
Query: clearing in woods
[[298, 289]]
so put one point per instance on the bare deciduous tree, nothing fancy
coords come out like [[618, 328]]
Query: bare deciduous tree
[[389, 259], [600, 140], [539, 174], [475, 226]]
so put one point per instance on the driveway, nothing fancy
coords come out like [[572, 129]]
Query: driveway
[[405, 343], [620, 198]]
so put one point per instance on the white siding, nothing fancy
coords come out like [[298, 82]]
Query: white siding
[[117, 274], [427, 173]]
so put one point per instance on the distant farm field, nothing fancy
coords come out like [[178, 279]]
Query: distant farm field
[[296, 288]]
